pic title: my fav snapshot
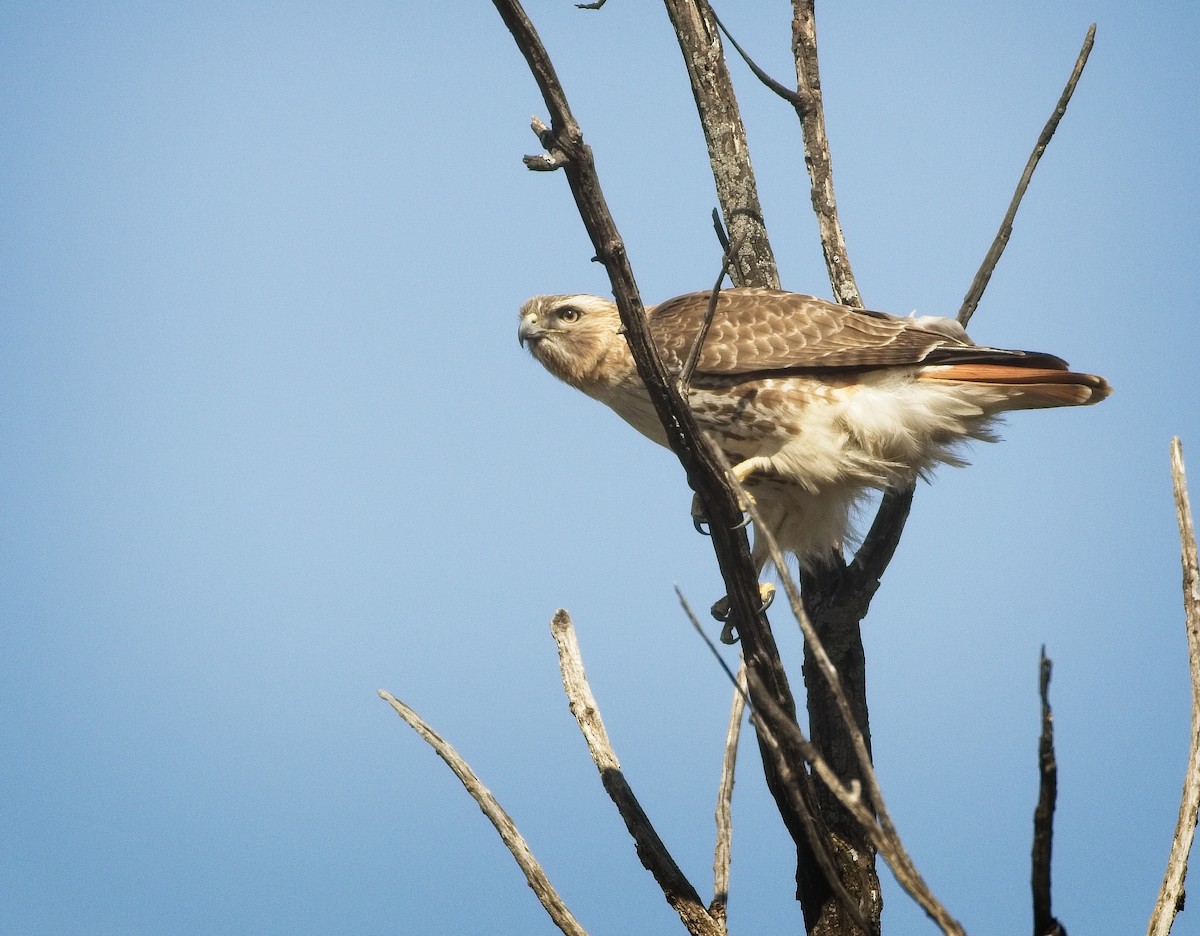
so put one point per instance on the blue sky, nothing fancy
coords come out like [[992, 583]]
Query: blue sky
[[268, 444]]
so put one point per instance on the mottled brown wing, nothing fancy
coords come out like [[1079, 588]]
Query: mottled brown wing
[[756, 330]]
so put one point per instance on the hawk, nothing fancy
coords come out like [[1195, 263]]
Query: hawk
[[814, 404]]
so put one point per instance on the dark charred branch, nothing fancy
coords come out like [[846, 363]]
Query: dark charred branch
[[1044, 923]]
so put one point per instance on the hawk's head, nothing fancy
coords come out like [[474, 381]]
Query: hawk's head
[[575, 338]]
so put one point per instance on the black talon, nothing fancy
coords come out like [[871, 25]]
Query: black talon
[[698, 523], [766, 604]]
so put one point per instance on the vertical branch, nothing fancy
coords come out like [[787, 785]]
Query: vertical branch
[[729, 155], [836, 603], [816, 154], [724, 811], [1170, 895], [884, 535], [1044, 923]]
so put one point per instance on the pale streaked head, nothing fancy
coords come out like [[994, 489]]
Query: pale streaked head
[[573, 337]]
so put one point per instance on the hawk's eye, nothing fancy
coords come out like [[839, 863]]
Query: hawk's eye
[[569, 315]]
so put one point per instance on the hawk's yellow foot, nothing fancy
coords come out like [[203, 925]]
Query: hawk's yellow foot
[[766, 594]]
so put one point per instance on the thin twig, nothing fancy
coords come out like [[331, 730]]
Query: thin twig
[[680, 894], [513, 839], [795, 98], [884, 535], [971, 300], [693, 358], [1044, 923], [712, 647], [722, 853], [1170, 896]]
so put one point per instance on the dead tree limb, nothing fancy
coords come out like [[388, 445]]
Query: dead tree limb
[[816, 154], [1044, 923], [722, 853], [538, 882], [679, 892], [849, 795], [836, 598], [1170, 895], [835, 605], [695, 27], [979, 284]]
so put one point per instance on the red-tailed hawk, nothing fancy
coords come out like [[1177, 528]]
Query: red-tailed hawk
[[813, 403]]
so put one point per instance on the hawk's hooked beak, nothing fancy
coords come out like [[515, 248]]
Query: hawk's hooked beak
[[529, 331]]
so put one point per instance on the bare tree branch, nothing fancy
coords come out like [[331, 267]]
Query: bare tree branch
[[880, 543], [650, 848], [1044, 923], [693, 358], [979, 284], [513, 839], [795, 98], [1170, 896], [816, 154], [837, 602], [699, 40], [728, 152], [724, 810], [772, 723]]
